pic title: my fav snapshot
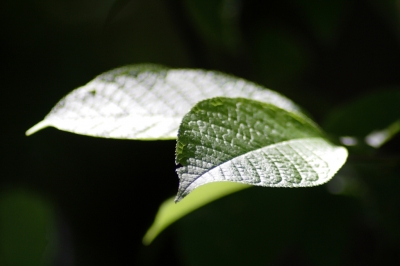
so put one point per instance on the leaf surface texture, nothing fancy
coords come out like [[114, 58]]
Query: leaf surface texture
[[146, 102], [250, 142]]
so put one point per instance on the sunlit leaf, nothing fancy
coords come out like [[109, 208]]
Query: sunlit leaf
[[250, 142], [146, 101]]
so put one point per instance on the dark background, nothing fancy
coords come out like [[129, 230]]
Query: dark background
[[67, 199]]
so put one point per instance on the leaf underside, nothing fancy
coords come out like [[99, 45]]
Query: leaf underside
[[251, 142], [146, 102]]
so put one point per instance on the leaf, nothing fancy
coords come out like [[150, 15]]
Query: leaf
[[146, 102], [250, 142], [379, 137], [169, 212]]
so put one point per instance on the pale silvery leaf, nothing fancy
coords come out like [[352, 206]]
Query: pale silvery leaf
[[250, 142], [146, 101]]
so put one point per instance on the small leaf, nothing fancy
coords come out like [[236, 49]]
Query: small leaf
[[146, 101], [169, 212], [255, 143], [379, 137]]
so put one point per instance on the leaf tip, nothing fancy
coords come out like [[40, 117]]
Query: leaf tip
[[180, 195], [37, 127], [178, 198], [148, 237]]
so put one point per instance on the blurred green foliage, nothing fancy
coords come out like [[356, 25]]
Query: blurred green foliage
[[26, 221]]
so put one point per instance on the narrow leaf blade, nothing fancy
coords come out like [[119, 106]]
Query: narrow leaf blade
[[169, 212]]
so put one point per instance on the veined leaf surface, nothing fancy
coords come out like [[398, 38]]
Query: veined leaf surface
[[255, 143], [146, 101]]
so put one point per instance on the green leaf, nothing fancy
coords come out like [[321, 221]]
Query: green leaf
[[169, 212], [255, 143], [146, 101]]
